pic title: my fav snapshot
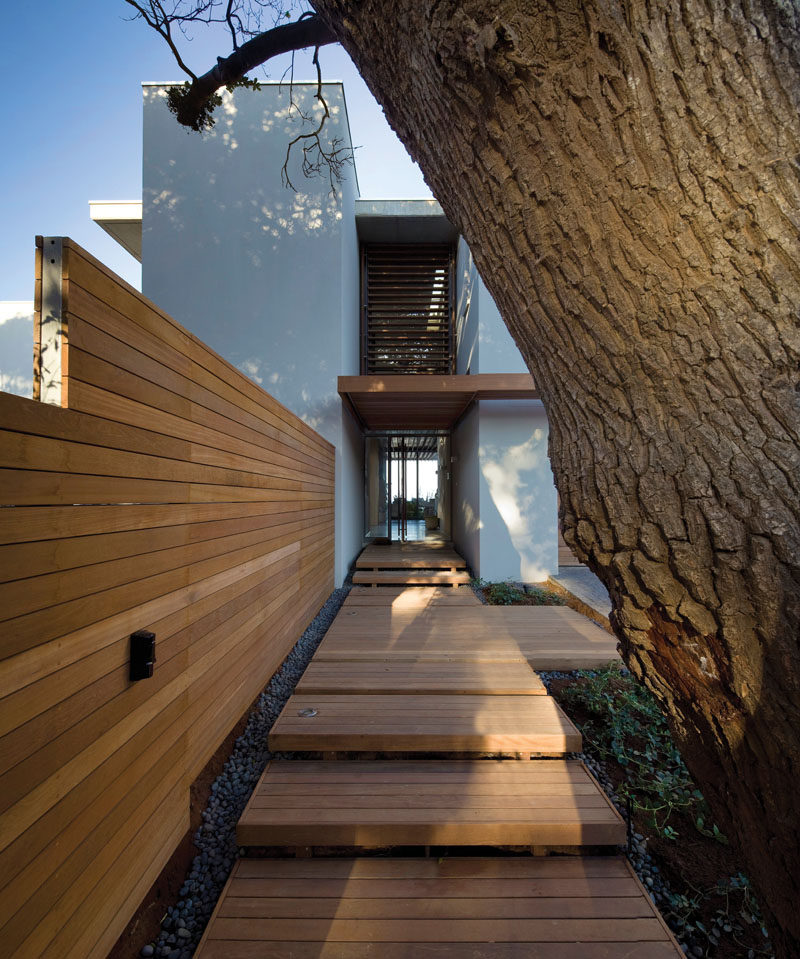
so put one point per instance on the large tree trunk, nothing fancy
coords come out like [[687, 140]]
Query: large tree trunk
[[628, 178]]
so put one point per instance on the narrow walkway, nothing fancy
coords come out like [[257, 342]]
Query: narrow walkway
[[431, 685]]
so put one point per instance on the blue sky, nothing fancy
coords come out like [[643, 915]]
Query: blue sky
[[73, 125]]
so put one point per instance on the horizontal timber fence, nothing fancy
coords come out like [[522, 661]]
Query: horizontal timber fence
[[154, 487]]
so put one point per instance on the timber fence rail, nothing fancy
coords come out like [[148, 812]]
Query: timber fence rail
[[155, 487]]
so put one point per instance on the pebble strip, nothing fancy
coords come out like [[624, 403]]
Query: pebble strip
[[184, 922]]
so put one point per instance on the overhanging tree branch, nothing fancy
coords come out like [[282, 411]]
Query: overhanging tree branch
[[193, 104], [316, 155], [309, 32]]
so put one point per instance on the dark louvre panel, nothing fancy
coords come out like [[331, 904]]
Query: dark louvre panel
[[406, 322]]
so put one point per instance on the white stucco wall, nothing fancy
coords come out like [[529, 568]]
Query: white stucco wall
[[266, 276], [350, 491], [467, 311], [505, 507], [483, 343], [16, 347], [498, 353], [504, 500], [465, 490], [518, 507]]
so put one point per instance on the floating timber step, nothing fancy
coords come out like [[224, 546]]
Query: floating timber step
[[412, 577], [445, 803], [410, 556], [424, 723], [399, 678], [546, 637], [419, 597], [488, 908]]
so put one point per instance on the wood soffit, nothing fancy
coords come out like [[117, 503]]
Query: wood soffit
[[417, 401]]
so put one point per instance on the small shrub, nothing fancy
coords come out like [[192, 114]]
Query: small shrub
[[509, 594]]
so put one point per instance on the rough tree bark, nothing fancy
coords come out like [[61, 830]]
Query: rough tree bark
[[627, 175]]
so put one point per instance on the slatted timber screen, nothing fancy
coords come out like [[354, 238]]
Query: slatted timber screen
[[407, 308], [173, 495]]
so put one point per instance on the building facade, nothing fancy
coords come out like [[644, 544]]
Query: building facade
[[366, 318]]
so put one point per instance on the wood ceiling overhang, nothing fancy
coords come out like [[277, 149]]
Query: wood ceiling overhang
[[413, 401]]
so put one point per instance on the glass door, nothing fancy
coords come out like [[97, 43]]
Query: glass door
[[407, 487], [377, 490]]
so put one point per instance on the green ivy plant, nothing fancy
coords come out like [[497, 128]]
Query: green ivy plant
[[626, 726]]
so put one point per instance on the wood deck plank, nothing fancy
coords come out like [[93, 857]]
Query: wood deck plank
[[402, 723], [423, 577], [559, 929], [423, 909], [588, 907], [349, 803], [225, 949], [398, 677], [541, 636], [482, 869], [401, 596], [410, 556]]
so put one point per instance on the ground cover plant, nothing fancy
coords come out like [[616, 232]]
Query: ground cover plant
[[708, 902], [512, 594]]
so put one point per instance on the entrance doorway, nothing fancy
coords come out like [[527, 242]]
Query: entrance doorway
[[407, 486]]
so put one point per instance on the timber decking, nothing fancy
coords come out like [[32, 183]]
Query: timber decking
[[553, 803], [420, 564], [546, 637], [417, 577], [418, 597], [397, 677], [513, 908], [404, 671], [424, 723], [410, 556]]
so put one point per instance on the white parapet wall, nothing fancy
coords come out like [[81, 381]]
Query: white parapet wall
[[16, 347], [518, 505], [266, 275], [505, 518]]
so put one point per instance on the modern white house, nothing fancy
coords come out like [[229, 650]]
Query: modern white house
[[365, 317]]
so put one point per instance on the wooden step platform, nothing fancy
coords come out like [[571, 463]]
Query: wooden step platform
[[546, 637], [488, 908], [415, 598], [424, 723], [401, 678], [410, 556], [444, 803], [418, 577]]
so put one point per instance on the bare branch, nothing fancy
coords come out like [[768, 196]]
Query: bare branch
[[229, 17], [316, 156], [157, 18], [191, 107], [194, 103]]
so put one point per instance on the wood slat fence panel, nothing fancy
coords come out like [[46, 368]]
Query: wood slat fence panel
[[170, 493]]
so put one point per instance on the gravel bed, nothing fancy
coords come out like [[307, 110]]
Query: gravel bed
[[479, 593], [184, 923]]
